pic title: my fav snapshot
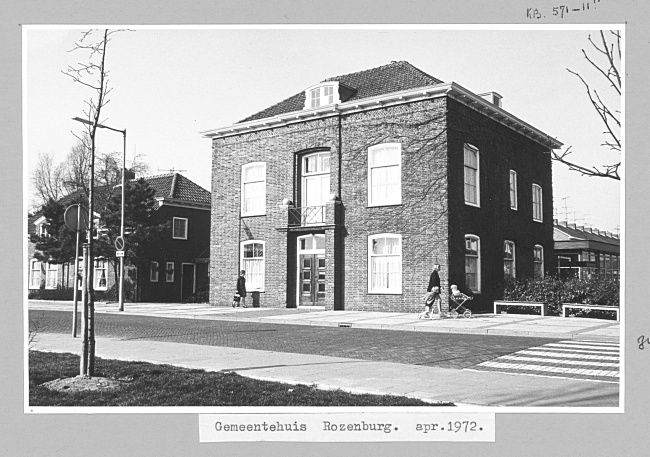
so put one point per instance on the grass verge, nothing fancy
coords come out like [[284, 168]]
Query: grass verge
[[146, 384]]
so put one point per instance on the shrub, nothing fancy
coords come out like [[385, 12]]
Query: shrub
[[554, 291]]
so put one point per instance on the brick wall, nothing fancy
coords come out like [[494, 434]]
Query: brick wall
[[500, 150]]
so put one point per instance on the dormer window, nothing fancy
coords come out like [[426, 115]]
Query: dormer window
[[326, 93]]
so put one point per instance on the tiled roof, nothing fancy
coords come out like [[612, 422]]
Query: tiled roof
[[170, 186], [394, 77], [569, 233], [178, 187]]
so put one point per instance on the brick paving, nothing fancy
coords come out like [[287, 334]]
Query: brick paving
[[446, 350]]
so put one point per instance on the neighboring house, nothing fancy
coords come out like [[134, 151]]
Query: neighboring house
[[346, 194], [585, 252], [182, 267]]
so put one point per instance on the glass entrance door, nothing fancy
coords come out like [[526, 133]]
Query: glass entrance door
[[311, 270]]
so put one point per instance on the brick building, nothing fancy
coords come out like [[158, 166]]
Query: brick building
[[346, 194], [585, 252], [181, 265]]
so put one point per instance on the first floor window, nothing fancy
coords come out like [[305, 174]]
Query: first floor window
[[385, 264], [153, 274], [538, 261], [100, 274], [473, 262], [169, 272], [472, 177], [385, 174], [35, 274], [51, 275], [252, 262], [513, 189], [537, 203], [179, 228], [253, 189], [509, 259]]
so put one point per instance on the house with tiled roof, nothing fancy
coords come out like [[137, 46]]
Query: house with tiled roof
[[181, 267], [346, 194], [585, 252]]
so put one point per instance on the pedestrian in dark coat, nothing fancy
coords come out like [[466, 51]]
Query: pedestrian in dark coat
[[434, 288], [241, 287]]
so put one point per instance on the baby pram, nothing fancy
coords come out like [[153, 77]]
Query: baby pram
[[459, 298]]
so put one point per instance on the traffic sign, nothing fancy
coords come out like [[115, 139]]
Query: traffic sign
[[119, 243], [76, 218], [119, 253]]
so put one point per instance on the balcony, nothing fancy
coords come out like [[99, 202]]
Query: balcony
[[306, 216]]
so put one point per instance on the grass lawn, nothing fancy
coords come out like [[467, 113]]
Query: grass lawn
[[145, 384]]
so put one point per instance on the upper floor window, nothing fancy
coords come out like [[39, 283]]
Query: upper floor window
[[385, 174], [51, 275], [537, 203], [508, 259], [179, 231], [473, 262], [385, 264], [34, 274], [538, 261], [472, 176], [252, 261], [253, 189], [513, 189]]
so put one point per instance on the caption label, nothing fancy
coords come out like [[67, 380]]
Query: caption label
[[347, 427]]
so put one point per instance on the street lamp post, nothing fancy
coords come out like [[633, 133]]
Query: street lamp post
[[123, 132]]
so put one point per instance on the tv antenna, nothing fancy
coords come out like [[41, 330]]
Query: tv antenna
[[170, 170]]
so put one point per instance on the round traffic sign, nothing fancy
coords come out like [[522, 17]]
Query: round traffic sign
[[119, 243], [76, 218]]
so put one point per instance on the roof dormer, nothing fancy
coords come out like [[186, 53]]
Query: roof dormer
[[325, 94]]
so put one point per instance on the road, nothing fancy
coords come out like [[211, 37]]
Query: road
[[448, 350]]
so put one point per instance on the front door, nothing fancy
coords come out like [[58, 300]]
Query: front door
[[188, 281], [311, 270]]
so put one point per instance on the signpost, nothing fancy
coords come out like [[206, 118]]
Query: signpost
[[76, 218]]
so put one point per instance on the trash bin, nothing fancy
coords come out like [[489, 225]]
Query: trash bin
[[256, 299]]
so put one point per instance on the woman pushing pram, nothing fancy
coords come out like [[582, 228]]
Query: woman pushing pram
[[432, 298]]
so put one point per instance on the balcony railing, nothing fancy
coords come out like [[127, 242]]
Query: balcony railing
[[307, 215]]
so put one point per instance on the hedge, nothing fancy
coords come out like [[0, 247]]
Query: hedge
[[554, 291]]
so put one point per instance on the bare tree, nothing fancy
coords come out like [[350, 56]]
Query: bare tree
[[94, 75], [46, 179], [607, 63]]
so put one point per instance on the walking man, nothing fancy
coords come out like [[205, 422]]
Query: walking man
[[241, 287]]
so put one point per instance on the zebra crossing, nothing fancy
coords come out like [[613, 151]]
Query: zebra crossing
[[575, 359]]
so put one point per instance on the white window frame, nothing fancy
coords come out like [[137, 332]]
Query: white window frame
[[35, 266], [96, 269], [259, 209], [477, 180], [513, 190], [153, 271], [251, 285], [395, 198], [174, 235], [51, 275], [541, 262], [169, 277], [319, 95], [478, 261], [512, 261], [538, 207], [397, 288]]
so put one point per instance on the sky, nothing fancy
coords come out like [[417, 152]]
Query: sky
[[170, 84]]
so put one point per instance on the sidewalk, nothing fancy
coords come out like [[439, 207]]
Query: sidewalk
[[490, 324], [466, 388]]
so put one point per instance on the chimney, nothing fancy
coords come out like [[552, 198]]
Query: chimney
[[555, 222], [581, 228], [493, 98], [563, 223]]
